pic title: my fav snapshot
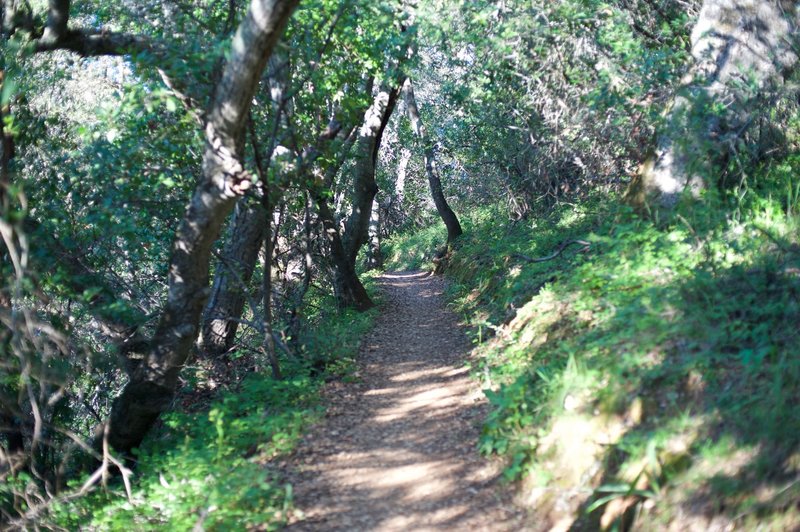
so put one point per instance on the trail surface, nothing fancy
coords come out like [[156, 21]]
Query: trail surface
[[397, 449]]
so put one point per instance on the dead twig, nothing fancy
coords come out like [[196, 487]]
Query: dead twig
[[100, 475]]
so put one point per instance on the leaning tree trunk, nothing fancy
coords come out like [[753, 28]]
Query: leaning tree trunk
[[235, 269], [247, 229], [151, 388], [429, 154], [347, 287], [366, 158], [344, 247], [741, 50]]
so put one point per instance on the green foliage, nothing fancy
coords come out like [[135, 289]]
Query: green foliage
[[415, 249], [547, 100], [690, 321], [208, 467], [212, 466], [660, 334], [329, 339]]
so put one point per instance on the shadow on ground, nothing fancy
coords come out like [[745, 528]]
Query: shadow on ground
[[398, 449]]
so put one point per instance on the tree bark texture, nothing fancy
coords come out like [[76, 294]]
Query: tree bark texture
[[741, 50], [348, 289], [374, 254], [16, 15], [247, 233], [57, 18], [9, 418], [235, 269], [308, 272], [429, 155], [402, 172], [268, 342], [366, 158], [224, 179]]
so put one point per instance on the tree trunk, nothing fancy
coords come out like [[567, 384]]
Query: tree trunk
[[151, 388], [247, 234], [429, 154], [268, 342], [741, 49], [374, 255], [308, 265], [348, 290], [16, 15], [402, 172], [229, 291], [9, 420], [57, 18], [366, 158]]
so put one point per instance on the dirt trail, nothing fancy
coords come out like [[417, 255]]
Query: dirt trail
[[397, 450]]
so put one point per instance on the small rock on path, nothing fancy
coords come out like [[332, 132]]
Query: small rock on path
[[397, 450]]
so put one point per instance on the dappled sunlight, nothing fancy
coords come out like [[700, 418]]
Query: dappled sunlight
[[383, 391], [407, 376], [590, 217], [420, 406], [409, 276], [401, 452], [415, 473]]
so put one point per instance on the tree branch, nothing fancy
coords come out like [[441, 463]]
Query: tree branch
[[90, 43], [559, 250], [57, 19]]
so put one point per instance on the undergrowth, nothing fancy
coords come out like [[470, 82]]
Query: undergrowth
[[210, 468], [651, 378], [414, 250]]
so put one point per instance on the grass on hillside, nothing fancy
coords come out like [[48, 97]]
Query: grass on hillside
[[414, 250], [654, 376]]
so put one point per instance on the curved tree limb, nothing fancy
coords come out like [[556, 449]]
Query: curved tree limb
[[429, 158], [559, 250]]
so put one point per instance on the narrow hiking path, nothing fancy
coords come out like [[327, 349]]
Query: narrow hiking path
[[397, 449]]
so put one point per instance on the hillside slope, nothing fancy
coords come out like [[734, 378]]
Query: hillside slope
[[644, 377]]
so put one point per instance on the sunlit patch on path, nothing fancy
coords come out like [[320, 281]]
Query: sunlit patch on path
[[397, 450]]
